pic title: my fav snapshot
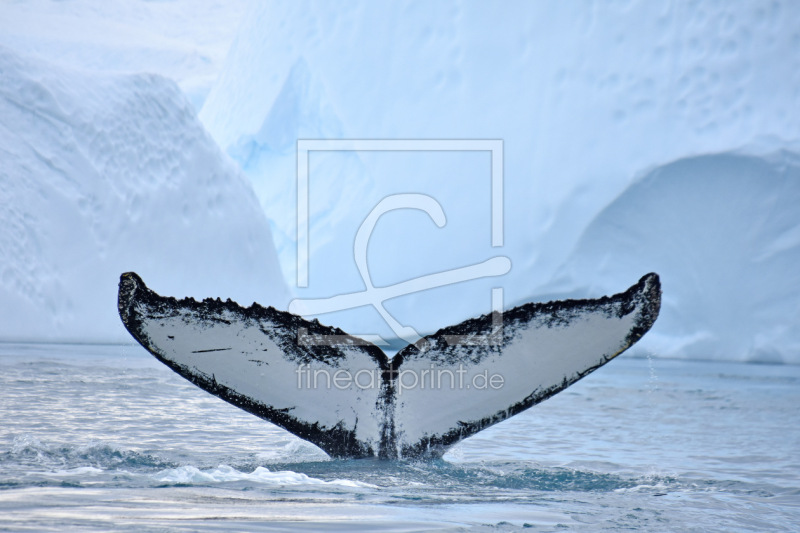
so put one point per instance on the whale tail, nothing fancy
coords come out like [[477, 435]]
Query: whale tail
[[344, 394]]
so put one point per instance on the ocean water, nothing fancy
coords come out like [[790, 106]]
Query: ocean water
[[106, 438]]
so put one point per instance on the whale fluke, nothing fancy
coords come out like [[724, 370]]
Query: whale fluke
[[343, 393]]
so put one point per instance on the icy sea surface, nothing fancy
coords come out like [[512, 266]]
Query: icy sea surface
[[106, 438]]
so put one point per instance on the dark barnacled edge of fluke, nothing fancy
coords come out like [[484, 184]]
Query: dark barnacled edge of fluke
[[340, 442]]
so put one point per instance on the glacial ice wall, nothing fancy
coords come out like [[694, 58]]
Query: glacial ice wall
[[585, 97], [103, 174], [185, 41], [723, 231]]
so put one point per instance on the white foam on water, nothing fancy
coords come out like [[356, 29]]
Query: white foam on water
[[224, 473]]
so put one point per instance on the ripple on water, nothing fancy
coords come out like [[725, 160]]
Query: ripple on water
[[645, 445]]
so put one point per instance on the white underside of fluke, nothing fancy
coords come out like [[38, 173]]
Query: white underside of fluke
[[350, 400]]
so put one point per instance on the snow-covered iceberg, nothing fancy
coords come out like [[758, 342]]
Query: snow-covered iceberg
[[185, 41], [723, 231], [586, 98], [269, 158], [107, 172], [103, 174]]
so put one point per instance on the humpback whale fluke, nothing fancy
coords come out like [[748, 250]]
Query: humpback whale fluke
[[345, 395]]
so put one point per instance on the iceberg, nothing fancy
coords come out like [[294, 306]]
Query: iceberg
[[107, 172], [585, 99], [603, 114], [184, 41], [723, 230]]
